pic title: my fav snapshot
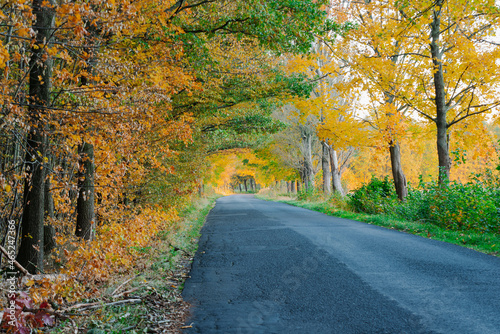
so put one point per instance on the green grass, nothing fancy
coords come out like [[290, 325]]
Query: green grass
[[488, 243]]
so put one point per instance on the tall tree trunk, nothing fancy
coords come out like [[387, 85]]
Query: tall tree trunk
[[302, 172], [325, 165], [85, 217], [397, 171], [307, 152], [336, 172], [440, 100], [292, 186], [85, 205], [246, 187], [31, 253], [32, 239]]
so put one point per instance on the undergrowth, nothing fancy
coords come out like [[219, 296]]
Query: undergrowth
[[159, 284], [143, 256]]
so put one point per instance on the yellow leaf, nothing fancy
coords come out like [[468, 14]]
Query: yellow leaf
[[4, 55], [7, 188], [24, 32]]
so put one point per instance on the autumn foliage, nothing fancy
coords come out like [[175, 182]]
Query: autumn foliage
[[116, 113], [109, 111]]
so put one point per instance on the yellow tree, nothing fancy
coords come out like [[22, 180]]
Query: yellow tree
[[436, 57], [332, 105], [378, 58], [460, 62]]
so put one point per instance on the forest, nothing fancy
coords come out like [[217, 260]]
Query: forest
[[117, 116]]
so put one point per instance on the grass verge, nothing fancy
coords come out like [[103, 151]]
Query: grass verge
[[488, 243], [149, 301]]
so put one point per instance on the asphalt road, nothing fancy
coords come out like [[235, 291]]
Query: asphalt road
[[265, 267]]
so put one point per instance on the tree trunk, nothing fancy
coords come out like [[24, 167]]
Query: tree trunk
[[301, 171], [325, 165], [307, 152], [85, 204], [440, 100], [85, 217], [201, 188], [397, 171], [30, 253], [336, 172], [245, 183], [292, 186]]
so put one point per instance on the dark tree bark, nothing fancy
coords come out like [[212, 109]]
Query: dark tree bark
[[31, 253], [85, 218], [85, 211], [397, 171], [293, 186]]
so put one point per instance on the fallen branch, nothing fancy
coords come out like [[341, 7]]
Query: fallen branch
[[123, 284], [80, 306], [128, 328], [121, 294], [19, 266], [100, 304]]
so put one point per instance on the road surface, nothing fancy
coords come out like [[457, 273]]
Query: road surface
[[265, 267]]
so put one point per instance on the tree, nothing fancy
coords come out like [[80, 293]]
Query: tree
[[126, 97], [375, 55], [331, 105], [457, 70], [40, 77], [464, 66]]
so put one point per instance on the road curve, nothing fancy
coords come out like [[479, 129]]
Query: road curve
[[265, 267]]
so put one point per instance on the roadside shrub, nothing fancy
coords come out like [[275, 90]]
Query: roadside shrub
[[377, 196], [465, 207], [312, 194], [339, 202], [416, 205], [453, 205]]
